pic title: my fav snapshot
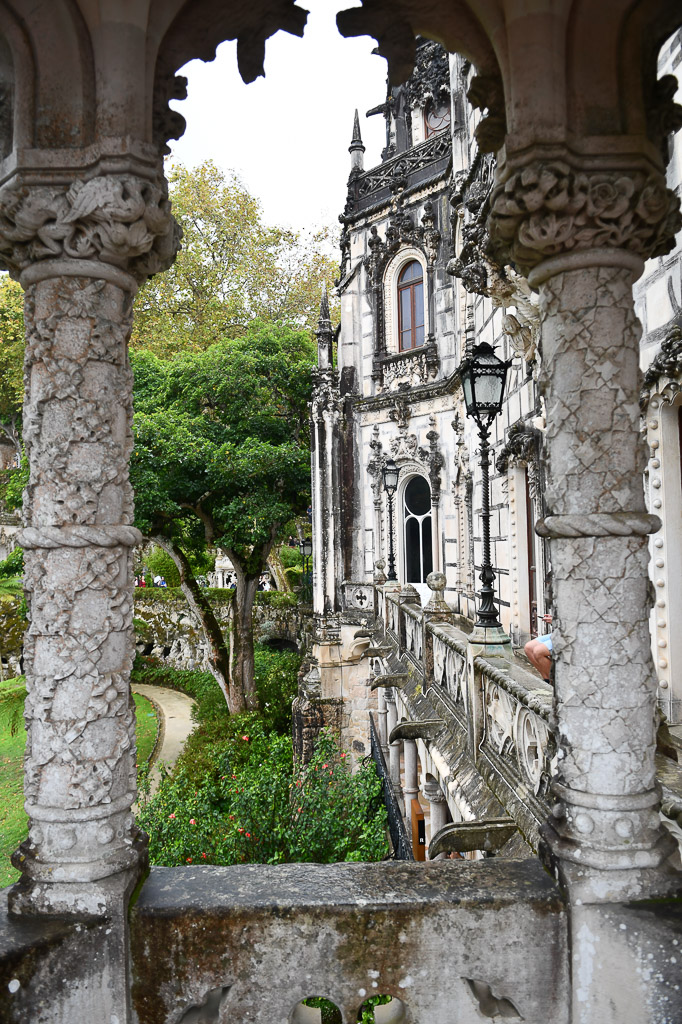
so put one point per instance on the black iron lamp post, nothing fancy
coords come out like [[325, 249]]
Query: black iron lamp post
[[484, 377], [305, 546], [390, 473]]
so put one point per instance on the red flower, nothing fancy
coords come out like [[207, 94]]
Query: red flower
[[245, 738], [248, 835], [204, 856], [171, 816], [192, 821], [240, 830], [189, 860]]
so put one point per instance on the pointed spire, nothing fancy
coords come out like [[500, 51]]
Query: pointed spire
[[356, 148], [324, 305], [325, 334], [356, 128]]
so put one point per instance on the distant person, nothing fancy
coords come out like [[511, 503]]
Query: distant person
[[539, 652], [162, 582]]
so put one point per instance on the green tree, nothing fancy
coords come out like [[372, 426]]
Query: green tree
[[221, 458], [11, 361], [232, 268]]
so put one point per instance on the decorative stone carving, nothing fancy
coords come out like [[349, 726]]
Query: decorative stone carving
[[547, 208], [434, 460], [409, 594], [122, 220], [436, 582], [431, 76], [500, 717], [80, 755], [522, 448], [598, 530], [375, 463], [79, 252], [409, 369], [486, 92], [665, 369]]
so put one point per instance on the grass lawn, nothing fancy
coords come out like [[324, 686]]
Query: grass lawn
[[13, 820]]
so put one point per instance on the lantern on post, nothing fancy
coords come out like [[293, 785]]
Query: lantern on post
[[484, 378], [390, 474]]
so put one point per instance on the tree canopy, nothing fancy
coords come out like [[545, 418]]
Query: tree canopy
[[222, 458], [11, 361], [232, 268]]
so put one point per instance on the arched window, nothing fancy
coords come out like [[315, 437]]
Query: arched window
[[436, 117], [411, 306], [417, 518]]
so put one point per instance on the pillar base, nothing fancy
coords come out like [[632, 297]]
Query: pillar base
[[653, 873], [103, 897], [492, 641]]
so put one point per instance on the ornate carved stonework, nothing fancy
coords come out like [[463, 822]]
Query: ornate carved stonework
[[431, 76], [121, 220], [469, 198], [666, 368], [409, 369], [80, 252], [550, 207], [375, 463], [522, 448], [80, 755]]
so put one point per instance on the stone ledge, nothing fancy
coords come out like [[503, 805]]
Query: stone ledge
[[269, 936]]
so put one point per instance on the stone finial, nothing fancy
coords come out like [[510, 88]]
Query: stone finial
[[356, 148], [379, 574], [409, 594], [436, 581], [324, 333]]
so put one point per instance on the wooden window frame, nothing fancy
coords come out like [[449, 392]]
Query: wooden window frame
[[411, 286]]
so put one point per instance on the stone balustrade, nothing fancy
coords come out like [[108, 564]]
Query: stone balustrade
[[495, 753]]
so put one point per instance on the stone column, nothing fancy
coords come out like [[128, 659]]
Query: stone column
[[79, 252], [411, 787], [583, 234], [438, 808]]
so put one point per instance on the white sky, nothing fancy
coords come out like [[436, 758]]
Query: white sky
[[287, 135]]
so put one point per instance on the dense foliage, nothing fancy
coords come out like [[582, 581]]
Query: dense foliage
[[221, 459], [235, 796], [232, 268], [11, 361]]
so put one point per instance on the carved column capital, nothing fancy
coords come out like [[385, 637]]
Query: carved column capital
[[549, 208], [113, 227]]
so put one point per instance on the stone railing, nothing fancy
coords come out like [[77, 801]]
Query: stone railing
[[485, 732]]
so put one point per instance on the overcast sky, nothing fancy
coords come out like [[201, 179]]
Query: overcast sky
[[287, 135]]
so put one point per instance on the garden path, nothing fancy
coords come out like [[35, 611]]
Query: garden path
[[175, 724]]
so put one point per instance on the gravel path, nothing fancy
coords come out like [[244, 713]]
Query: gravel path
[[175, 724]]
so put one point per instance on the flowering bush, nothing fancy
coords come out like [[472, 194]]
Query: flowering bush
[[248, 805]]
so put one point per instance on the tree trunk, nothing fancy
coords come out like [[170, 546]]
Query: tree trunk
[[242, 667], [218, 653], [277, 571]]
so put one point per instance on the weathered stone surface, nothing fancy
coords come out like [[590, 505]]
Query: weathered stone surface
[[345, 931]]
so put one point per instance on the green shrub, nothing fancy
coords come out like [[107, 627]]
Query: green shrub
[[290, 556], [13, 565], [248, 805], [158, 562], [276, 599]]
